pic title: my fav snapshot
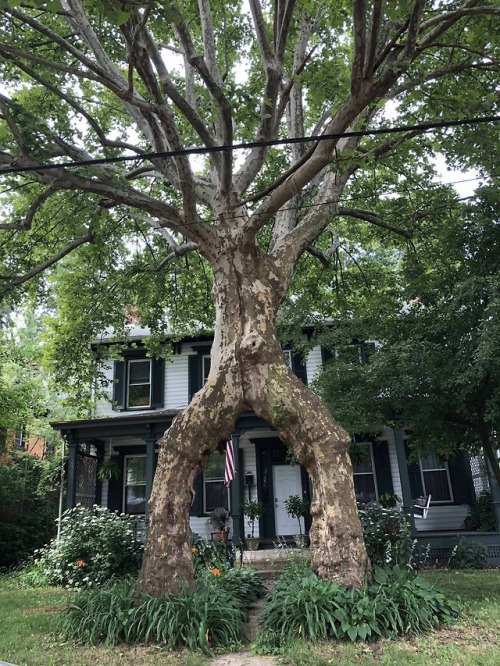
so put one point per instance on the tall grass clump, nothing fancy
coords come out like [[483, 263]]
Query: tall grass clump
[[211, 616], [395, 602]]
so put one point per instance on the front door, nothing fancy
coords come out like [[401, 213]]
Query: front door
[[286, 481]]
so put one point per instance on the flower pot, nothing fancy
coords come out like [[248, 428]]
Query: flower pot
[[221, 536], [252, 543], [301, 540]]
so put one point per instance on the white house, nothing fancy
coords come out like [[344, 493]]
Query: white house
[[145, 395]]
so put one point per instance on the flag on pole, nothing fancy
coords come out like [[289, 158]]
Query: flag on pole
[[229, 467]]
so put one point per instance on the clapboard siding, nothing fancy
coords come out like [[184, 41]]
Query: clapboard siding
[[443, 517], [313, 363]]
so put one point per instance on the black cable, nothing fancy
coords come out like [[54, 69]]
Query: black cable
[[423, 127]]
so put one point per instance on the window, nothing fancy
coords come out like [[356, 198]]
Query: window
[[363, 472], [287, 353], [205, 367], [435, 477], [135, 485], [215, 492], [139, 383]]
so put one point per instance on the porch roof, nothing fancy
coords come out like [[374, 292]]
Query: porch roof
[[131, 423]]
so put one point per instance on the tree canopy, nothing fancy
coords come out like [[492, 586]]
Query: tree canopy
[[435, 367]]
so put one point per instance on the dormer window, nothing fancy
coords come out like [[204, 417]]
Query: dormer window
[[139, 383]]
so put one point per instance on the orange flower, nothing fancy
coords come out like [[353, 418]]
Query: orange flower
[[194, 550], [216, 572], [80, 563]]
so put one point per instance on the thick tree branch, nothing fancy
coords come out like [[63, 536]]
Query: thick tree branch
[[266, 52], [21, 279], [32, 210], [359, 38], [373, 37], [12, 125], [373, 218]]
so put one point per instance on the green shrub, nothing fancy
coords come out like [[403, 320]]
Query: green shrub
[[482, 515], [208, 617], [208, 555], [95, 545], [396, 602], [387, 534], [29, 507], [468, 555]]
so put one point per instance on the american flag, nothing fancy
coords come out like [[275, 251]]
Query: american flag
[[229, 467]]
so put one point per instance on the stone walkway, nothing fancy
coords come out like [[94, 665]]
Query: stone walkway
[[243, 659]]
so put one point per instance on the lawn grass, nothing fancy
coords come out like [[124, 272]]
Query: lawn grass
[[28, 634], [474, 640]]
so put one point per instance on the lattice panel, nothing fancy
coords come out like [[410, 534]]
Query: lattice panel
[[439, 554], [494, 553], [479, 475], [86, 478]]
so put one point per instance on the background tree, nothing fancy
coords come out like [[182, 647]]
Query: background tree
[[437, 366], [94, 80]]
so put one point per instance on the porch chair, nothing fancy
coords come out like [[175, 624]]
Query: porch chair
[[420, 507]]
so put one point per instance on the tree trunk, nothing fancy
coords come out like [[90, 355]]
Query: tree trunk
[[248, 371]]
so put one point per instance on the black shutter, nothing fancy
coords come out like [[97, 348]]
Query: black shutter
[[461, 479], [157, 382], [115, 487], [194, 374], [326, 355], [382, 468], [119, 385], [197, 505], [417, 490], [299, 368], [367, 349]]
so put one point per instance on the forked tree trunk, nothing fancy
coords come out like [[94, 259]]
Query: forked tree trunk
[[248, 371]]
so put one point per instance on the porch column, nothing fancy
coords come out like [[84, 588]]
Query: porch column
[[495, 494], [150, 466], [403, 473], [72, 469], [235, 492]]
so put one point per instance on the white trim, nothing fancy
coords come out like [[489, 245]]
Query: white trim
[[127, 370], [437, 469], [125, 484], [373, 473]]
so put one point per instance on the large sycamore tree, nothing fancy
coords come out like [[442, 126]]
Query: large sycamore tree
[[86, 79]]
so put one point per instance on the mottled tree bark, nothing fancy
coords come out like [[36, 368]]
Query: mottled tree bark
[[248, 371]]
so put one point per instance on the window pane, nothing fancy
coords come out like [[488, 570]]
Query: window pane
[[288, 357], [136, 470], [215, 466], [364, 485], [431, 460], [215, 495], [138, 396], [135, 499], [436, 485], [206, 367], [362, 459], [139, 372]]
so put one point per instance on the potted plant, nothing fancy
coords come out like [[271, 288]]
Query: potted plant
[[219, 519], [253, 510], [109, 470], [296, 507]]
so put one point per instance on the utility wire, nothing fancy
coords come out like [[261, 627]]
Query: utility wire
[[423, 127]]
